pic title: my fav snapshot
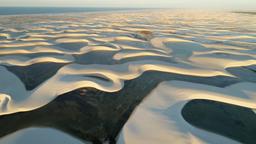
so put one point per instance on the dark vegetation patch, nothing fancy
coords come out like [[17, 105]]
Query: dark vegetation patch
[[246, 73], [33, 75], [97, 116], [233, 121]]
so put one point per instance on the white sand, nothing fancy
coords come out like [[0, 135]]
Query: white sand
[[202, 44], [40, 136], [158, 119]]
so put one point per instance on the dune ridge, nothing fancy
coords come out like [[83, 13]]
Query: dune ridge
[[190, 43], [161, 112]]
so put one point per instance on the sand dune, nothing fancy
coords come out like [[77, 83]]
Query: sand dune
[[159, 119], [190, 43], [40, 136], [11, 45], [24, 61], [129, 54], [74, 76]]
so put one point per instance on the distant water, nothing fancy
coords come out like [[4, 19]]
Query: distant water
[[50, 10]]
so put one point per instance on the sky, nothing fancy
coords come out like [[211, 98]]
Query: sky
[[211, 4]]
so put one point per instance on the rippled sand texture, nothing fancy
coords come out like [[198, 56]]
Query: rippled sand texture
[[103, 51]]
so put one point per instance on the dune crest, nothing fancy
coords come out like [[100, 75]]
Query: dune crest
[[161, 112], [105, 51]]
